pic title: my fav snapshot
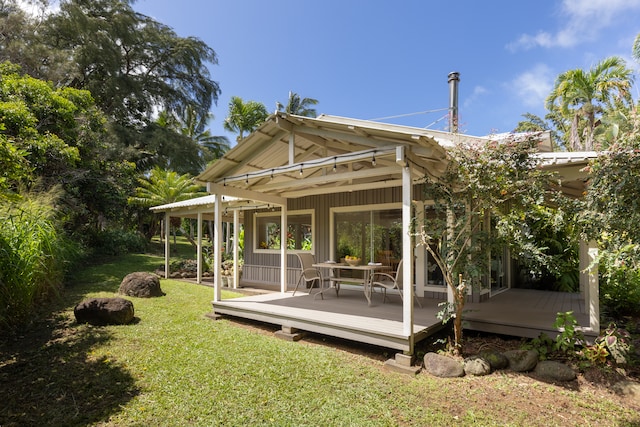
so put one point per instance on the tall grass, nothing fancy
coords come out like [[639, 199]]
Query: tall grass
[[34, 255]]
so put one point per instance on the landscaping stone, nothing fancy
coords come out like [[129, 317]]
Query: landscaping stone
[[629, 389], [522, 360], [496, 359], [104, 311], [477, 366], [555, 371], [442, 366], [141, 285]]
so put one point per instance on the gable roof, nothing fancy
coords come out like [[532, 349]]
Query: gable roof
[[291, 156]]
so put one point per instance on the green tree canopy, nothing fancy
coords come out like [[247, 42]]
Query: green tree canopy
[[244, 117], [299, 106], [580, 97]]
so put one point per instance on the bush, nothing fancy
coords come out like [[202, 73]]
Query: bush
[[620, 281], [116, 242], [35, 257]]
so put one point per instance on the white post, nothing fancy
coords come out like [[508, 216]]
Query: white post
[[589, 286], [236, 271], [407, 256], [283, 249], [167, 244], [421, 255], [217, 247], [199, 255]]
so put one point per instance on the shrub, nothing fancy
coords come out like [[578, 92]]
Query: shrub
[[116, 241], [620, 281], [35, 256]]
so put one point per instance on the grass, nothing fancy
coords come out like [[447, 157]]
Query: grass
[[175, 367]]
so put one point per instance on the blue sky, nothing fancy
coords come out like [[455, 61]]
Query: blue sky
[[372, 59]]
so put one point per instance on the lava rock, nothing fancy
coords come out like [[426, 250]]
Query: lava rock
[[104, 311], [141, 285]]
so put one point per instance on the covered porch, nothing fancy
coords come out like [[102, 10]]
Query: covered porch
[[518, 312]]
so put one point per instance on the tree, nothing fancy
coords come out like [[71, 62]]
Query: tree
[[244, 117], [482, 202], [164, 186], [298, 106], [580, 97], [132, 64]]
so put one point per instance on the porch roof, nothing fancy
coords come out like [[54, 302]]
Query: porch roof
[[291, 156]]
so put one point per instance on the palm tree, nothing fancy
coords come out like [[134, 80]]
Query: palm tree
[[244, 117], [635, 51], [213, 147], [581, 96], [164, 186], [298, 106]]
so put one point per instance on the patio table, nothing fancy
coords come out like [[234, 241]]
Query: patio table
[[335, 277]]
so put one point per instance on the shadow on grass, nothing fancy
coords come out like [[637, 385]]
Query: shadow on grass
[[48, 376]]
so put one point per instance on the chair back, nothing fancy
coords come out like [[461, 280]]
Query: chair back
[[306, 264], [399, 275]]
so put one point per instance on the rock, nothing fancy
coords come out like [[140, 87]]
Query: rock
[[104, 311], [142, 285], [476, 365], [555, 371], [442, 366], [496, 359], [522, 360], [629, 389]]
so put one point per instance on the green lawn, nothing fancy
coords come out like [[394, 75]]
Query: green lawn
[[176, 367]]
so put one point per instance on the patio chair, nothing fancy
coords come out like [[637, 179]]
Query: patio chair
[[309, 274], [390, 281]]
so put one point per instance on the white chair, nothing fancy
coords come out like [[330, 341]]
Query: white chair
[[309, 274], [390, 281]]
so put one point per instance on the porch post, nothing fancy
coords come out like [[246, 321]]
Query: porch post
[[407, 255], [236, 272], [199, 263], [217, 247], [283, 249], [421, 261], [589, 287], [167, 243]]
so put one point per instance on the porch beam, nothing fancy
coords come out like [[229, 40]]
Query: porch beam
[[240, 193], [342, 188], [367, 141], [315, 164], [331, 176]]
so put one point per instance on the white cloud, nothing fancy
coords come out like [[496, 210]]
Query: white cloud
[[477, 92], [584, 19], [533, 86]]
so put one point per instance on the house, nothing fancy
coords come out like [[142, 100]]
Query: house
[[339, 186]]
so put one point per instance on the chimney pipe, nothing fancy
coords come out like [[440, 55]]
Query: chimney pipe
[[454, 79]]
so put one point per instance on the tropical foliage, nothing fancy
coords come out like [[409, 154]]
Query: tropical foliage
[[498, 181], [244, 116], [299, 106]]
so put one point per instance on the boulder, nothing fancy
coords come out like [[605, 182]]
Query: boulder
[[554, 371], [496, 359], [630, 389], [442, 366], [104, 311], [522, 360], [141, 285], [477, 366]]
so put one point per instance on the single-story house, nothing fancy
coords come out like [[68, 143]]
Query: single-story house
[[334, 186]]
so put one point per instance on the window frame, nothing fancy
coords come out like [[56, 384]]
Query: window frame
[[278, 216]]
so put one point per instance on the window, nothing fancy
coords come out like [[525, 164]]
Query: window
[[374, 235], [299, 231]]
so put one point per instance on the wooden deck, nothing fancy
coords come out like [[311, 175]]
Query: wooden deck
[[515, 312]]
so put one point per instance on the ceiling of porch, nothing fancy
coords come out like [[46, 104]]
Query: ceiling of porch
[[292, 156]]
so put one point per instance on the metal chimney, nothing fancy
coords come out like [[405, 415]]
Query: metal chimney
[[454, 79]]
